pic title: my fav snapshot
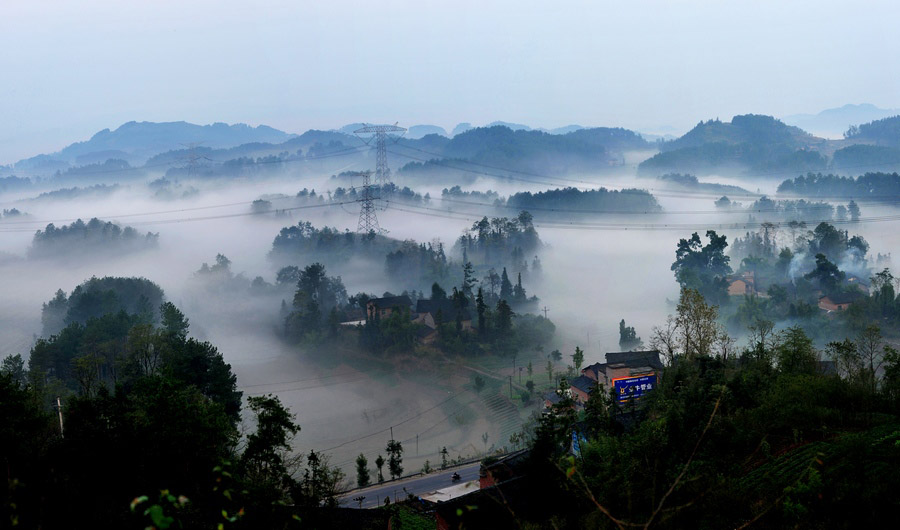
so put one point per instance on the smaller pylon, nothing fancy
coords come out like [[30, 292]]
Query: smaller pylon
[[368, 221]]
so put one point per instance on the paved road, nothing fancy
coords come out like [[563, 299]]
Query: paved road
[[418, 485]]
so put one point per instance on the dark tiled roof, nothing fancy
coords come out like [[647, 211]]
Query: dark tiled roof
[[596, 369], [391, 301], [634, 359], [552, 397], [583, 383], [447, 308], [844, 298]]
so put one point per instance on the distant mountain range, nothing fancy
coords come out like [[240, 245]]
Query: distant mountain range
[[747, 145], [135, 142], [833, 123]]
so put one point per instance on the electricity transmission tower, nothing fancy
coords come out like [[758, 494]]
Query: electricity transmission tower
[[368, 221], [381, 133], [193, 157]]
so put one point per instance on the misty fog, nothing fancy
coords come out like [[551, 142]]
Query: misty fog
[[597, 270]]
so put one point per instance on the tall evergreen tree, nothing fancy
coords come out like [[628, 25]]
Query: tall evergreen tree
[[481, 307], [505, 286]]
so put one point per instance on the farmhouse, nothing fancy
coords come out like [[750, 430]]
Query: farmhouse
[[623, 364], [839, 301], [383, 307]]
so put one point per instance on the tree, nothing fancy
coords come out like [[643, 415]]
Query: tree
[[519, 294], [847, 360], [395, 458], [628, 338], [173, 321], [795, 353], [362, 471], [578, 358], [504, 316], [853, 208], [827, 274], [481, 308], [696, 324], [703, 267], [469, 280], [529, 385], [530, 369], [264, 458], [444, 454], [379, 463], [438, 293], [493, 281], [14, 367], [665, 339], [478, 384], [550, 370], [506, 288], [871, 352], [556, 355], [762, 339]]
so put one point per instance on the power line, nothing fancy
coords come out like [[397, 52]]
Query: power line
[[386, 429], [474, 216], [211, 217]]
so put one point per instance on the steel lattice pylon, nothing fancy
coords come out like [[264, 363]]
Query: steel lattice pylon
[[368, 221], [381, 133]]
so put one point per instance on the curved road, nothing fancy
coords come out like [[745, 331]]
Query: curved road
[[417, 485]]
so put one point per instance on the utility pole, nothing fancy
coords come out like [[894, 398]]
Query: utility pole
[[510, 387], [59, 409], [545, 311], [417, 445]]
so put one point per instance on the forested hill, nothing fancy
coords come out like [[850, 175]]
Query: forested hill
[[748, 128], [749, 142], [881, 132], [519, 150]]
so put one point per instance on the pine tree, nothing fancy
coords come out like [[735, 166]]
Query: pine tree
[[519, 291], [505, 286], [481, 307]]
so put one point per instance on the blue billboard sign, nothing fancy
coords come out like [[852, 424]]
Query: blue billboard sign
[[634, 387]]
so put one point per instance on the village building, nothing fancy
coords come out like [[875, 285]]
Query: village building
[[618, 365], [428, 312], [743, 284], [383, 307], [839, 301]]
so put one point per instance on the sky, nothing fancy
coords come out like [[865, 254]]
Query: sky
[[73, 68]]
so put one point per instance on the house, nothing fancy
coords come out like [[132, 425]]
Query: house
[[551, 398], [622, 366], [581, 388], [745, 284], [383, 307], [504, 505], [428, 312], [496, 470], [839, 301]]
